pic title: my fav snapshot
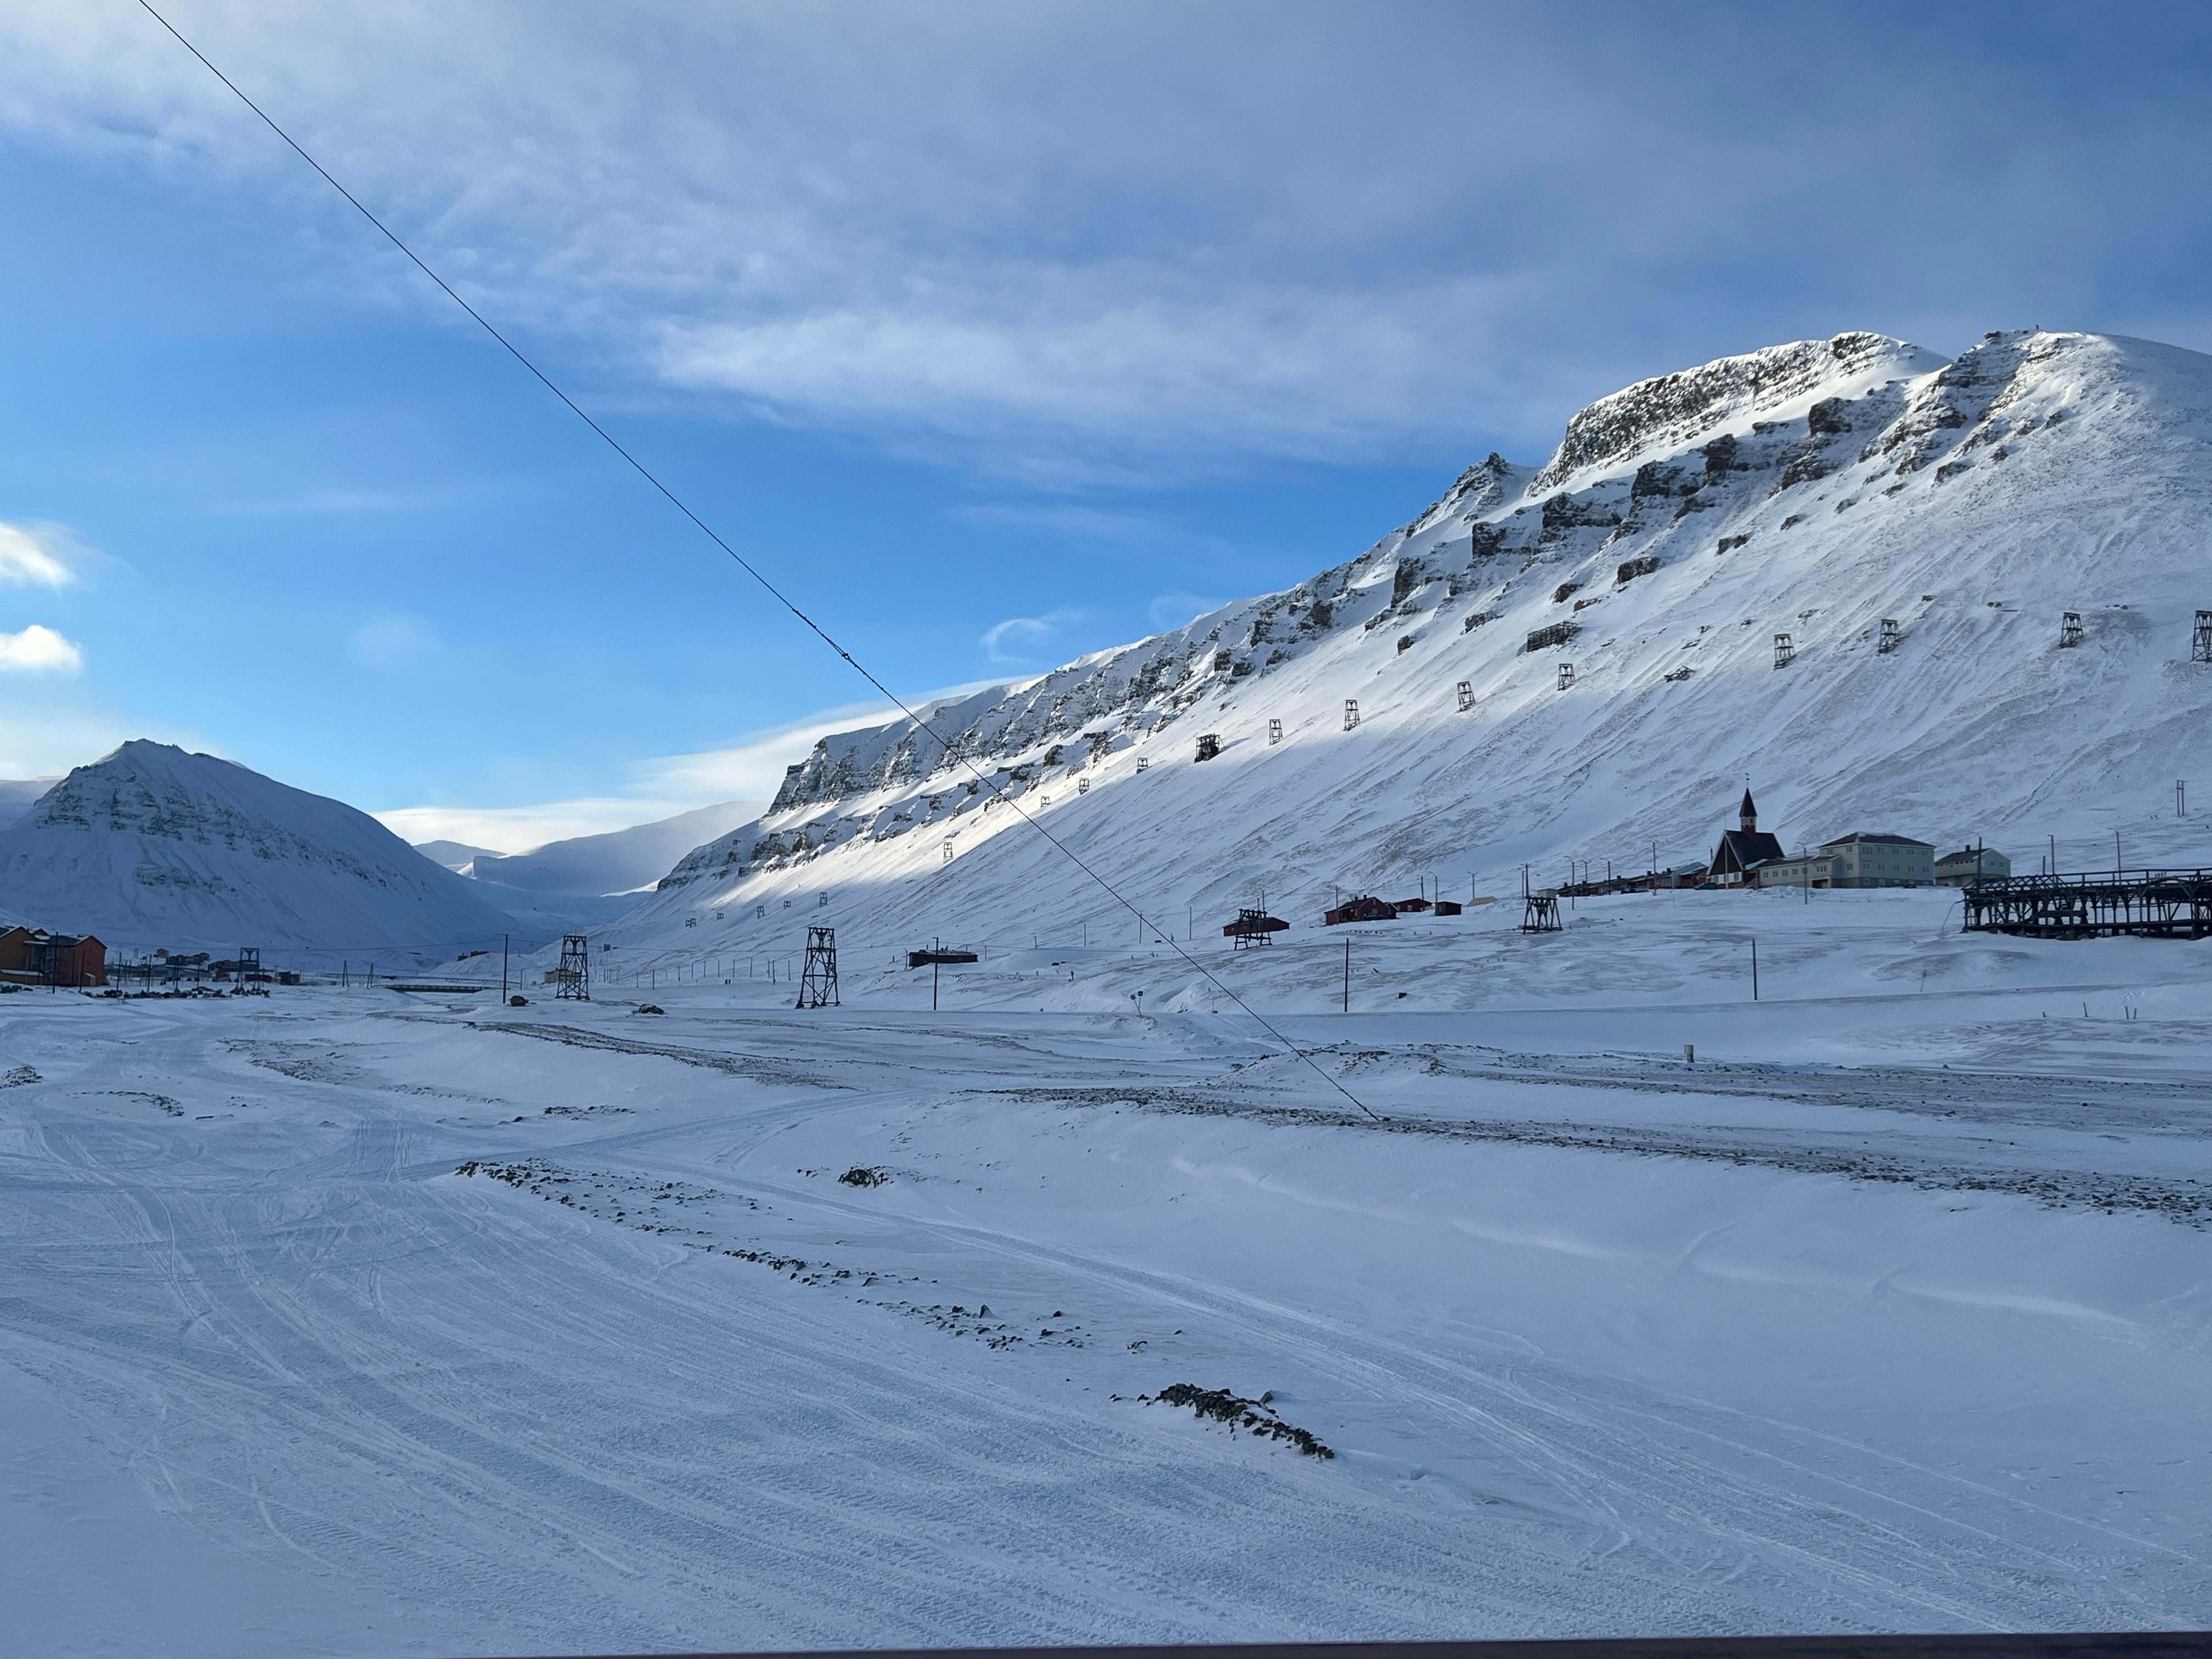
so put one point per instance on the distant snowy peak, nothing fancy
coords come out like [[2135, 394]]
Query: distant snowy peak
[[1674, 411], [619, 861], [454, 855], [155, 844]]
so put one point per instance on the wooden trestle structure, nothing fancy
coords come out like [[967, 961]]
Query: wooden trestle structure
[[2163, 904]]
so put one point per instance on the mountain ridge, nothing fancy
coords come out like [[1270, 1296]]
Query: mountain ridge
[[1812, 489], [151, 845]]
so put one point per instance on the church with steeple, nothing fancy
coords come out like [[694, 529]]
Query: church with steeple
[[1741, 849]]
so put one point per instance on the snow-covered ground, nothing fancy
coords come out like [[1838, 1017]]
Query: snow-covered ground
[[359, 1323]]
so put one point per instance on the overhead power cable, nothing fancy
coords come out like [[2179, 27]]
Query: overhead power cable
[[746, 564]]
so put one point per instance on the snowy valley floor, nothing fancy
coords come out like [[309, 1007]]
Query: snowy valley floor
[[360, 1323]]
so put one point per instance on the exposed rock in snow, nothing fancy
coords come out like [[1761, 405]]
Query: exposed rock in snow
[[153, 845]]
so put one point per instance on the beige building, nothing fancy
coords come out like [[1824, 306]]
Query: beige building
[[1971, 864], [1865, 860], [1806, 870]]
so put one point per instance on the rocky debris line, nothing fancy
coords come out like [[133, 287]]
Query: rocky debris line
[[957, 1321], [626, 1198], [303, 1062], [160, 1103], [16, 1076], [1255, 1417], [633, 1202], [863, 1175]]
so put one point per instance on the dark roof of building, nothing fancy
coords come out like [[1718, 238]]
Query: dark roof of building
[[1883, 841], [1744, 848]]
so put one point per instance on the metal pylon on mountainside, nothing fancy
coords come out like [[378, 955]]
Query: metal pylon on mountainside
[[572, 980], [818, 981]]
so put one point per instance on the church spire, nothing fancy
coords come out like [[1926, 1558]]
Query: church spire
[[1749, 813]]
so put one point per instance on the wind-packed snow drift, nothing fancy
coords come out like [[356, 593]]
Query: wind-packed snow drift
[[153, 846], [1410, 712]]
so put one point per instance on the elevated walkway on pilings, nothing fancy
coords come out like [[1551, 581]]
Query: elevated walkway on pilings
[[2160, 903]]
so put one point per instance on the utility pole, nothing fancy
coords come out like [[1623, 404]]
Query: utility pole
[[2054, 855], [2116, 866], [502, 971], [1347, 976], [1754, 971], [2181, 798]]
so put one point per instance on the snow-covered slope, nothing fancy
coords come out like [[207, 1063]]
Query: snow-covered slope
[[454, 855], [153, 845], [619, 861], [1814, 489]]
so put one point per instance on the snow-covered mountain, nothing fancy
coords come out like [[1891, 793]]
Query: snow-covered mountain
[[587, 881], [619, 861], [454, 855], [152, 845], [1820, 489]]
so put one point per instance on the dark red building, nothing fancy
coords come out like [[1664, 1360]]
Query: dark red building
[[1360, 909]]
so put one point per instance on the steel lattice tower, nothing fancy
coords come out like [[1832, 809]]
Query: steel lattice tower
[[818, 981], [572, 981]]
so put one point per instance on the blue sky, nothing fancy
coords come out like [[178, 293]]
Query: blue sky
[[994, 333]]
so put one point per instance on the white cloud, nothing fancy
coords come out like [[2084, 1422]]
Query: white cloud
[[1173, 610], [753, 767], [38, 650], [749, 769], [1247, 238], [1020, 640], [394, 644], [1071, 521], [521, 828], [49, 741], [38, 555]]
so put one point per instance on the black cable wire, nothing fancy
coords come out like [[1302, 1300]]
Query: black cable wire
[[746, 565]]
